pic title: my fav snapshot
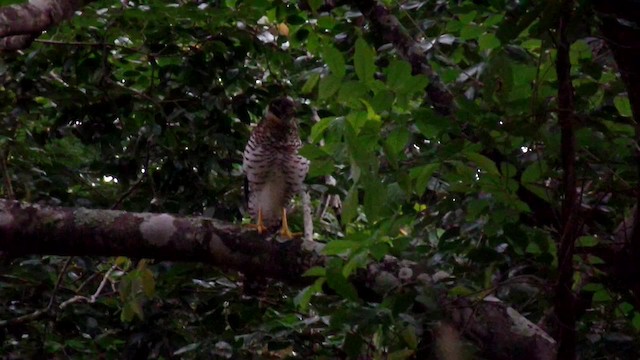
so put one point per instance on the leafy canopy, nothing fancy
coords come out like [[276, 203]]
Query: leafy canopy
[[147, 107]]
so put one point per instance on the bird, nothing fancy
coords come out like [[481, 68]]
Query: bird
[[274, 170]]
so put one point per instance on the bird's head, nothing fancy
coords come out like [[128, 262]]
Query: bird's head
[[282, 109]]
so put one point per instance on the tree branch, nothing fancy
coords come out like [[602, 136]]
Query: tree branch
[[564, 302], [35, 229], [21, 24]]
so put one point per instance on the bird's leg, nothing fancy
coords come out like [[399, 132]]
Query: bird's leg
[[260, 228], [284, 231]]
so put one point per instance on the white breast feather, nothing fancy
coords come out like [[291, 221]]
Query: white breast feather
[[272, 195]]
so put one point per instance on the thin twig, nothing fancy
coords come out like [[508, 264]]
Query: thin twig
[[126, 194], [308, 219], [92, 299]]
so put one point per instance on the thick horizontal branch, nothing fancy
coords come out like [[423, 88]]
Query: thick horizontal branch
[[34, 229], [21, 24]]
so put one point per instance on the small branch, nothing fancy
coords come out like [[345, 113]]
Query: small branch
[[307, 216], [17, 42], [92, 299], [22, 23], [127, 193], [24, 318], [59, 281]]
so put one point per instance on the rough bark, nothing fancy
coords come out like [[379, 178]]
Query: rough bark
[[565, 300], [34, 229], [489, 320], [21, 24]]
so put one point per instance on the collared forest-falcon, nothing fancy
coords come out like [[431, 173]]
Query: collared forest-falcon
[[274, 170]]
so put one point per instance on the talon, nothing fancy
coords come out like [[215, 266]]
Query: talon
[[260, 228], [284, 231]]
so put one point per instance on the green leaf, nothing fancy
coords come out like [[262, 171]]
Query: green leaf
[[123, 262], [539, 190], [533, 172], [417, 83], [488, 42], [483, 162], [148, 282], [76, 344], [587, 241], [335, 61], [127, 313], [402, 354], [397, 139], [321, 167], [467, 17], [310, 84], [593, 287], [364, 61], [315, 4], [336, 247], [533, 248], [303, 298], [601, 296], [319, 128], [383, 101], [398, 75], [338, 282], [315, 271], [499, 79], [375, 198], [124, 288], [357, 119], [635, 322], [357, 261], [622, 105], [507, 170], [461, 290], [329, 85], [421, 175], [470, 31], [313, 152], [350, 205], [580, 51], [409, 336], [431, 125], [594, 260], [371, 113], [379, 250], [350, 94]]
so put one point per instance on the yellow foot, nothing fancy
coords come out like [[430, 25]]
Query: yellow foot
[[260, 228], [284, 231]]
